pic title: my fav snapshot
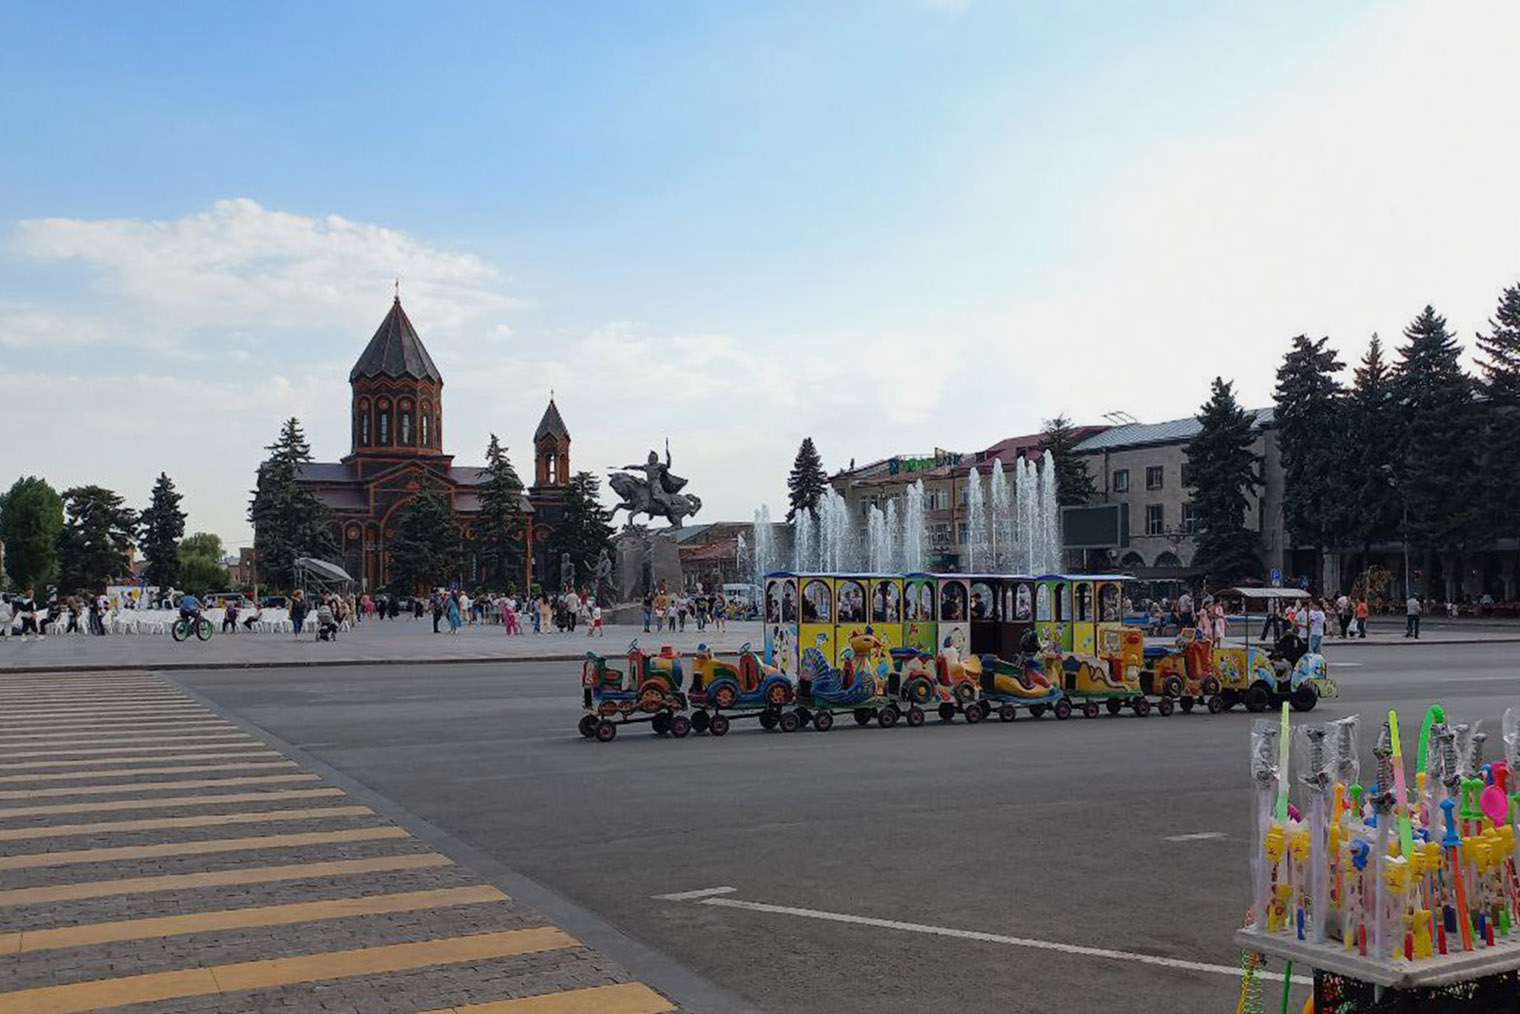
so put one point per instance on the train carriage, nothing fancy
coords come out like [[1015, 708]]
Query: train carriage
[[781, 621]]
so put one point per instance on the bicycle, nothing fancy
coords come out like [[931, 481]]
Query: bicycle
[[199, 626]]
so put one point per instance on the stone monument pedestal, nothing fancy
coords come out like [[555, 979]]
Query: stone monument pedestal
[[644, 560]]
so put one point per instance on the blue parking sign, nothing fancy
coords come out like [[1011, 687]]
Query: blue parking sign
[[1276, 577]]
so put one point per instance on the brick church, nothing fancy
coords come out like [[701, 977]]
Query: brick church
[[397, 452]]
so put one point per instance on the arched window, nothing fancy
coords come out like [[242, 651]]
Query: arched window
[[553, 460], [438, 430], [404, 422], [427, 415], [383, 422], [361, 421]]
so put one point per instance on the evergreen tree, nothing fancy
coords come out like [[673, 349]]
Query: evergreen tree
[[1373, 427], [288, 520], [97, 535], [1074, 483], [163, 525], [425, 550], [201, 570], [1221, 470], [1437, 473], [1310, 425], [582, 531], [500, 525], [29, 526], [807, 481], [1499, 462]]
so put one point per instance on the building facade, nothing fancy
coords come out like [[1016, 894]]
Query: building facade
[[397, 452]]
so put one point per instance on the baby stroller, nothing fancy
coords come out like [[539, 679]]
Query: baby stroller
[[327, 624]]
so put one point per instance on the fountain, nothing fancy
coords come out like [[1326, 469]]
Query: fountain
[[914, 529], [976, 525], [764, 539], [1050, 517], [1001, 555], [878, 541]]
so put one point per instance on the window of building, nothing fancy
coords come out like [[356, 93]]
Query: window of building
[[965, 495], [1155, 523], [1121, 480], [1189, 518], [939, 535], [404, 421], [963, 533], [426, 412], [364, 424], [383, 424], [1153, 476]]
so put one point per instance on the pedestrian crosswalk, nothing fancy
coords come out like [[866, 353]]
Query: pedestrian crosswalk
[[152, 852]]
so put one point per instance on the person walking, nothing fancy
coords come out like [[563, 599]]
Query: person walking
[[1361, 618], [437, 610], [1412, 610], [1343, 613], [682, 605], [297, 611], [456, 620], [1184, 610], [648, 610], [595, 628], [1316, 626]]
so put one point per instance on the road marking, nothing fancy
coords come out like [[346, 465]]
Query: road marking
[[624, 998], [109, 790], [28, 941], [1348, 665], [6, 813], [34, 860], [139, 760], [223, 741], [246, 975], [1195, 836], [993, 938], [706, 892], [24, 716], [96, 699], [167, 823], [128, 735], [75, 775], [111, 724], [220, 878]]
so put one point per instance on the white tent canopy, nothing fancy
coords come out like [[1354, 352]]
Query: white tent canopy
[[310, 570]]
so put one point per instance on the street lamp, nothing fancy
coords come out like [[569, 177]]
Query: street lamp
[[1403, 524]]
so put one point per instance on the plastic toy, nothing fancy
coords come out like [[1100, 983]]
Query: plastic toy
[[721, 692], [649, 691], [858, 687]]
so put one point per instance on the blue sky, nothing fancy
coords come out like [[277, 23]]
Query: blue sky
[[892, 225]]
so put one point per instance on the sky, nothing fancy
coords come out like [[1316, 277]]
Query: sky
[[891, 225]]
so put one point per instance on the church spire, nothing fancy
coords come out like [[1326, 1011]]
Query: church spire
[[396, 350]]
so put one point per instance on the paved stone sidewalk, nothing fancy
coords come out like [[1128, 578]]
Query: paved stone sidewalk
[[155, 857]]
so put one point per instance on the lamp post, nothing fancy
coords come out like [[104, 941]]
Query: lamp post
[[1403, 524]]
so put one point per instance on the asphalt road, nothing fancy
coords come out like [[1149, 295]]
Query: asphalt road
[[1054, 834]]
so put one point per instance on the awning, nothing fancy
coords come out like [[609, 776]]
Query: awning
[[322, 569]]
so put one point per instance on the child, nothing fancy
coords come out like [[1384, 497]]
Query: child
[[596, 622]]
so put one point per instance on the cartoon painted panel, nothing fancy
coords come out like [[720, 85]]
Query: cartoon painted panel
[[887, 610], [954, 615], [818, 617], [1084, 625], [919, 614], [781, 623]]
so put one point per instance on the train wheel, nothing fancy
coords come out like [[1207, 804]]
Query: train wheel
[[768, 719], [1037, 710], [915, 717], [975, 714], [680, 725], [1007, 713], [605, 731], [863, 716], [1304, 698], [1114, 705], [777, 695], [1090, 709], [947, 712], [920, 692], [790, 722], [701, 721], [718, 726], [1187, 704], [660, 723], [823, 721], [587, 726], [1257, 699], [965, 692], [804, 716], [1210, 686], [986, 707], [1062, 709], [1142, 707], [724, 698], [887, 717], [1165, 707], [1216, 704]]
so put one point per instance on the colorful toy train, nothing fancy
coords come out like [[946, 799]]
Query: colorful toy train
[[886, 648]]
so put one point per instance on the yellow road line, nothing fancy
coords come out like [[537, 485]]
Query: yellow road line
[[236, 877], [153, 986], [624, 998], [28, 941], [6, 813], [223, 741], [75, 775], [167, 823], [27, 765], [35, 860], [190, 783]]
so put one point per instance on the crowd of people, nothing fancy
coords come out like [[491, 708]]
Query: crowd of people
[[1310, 618], [670, 611]]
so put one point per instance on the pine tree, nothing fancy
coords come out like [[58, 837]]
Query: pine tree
[[425, 550], [1074, 483], [163, 525], [1221, 469], [500, 524], [1437, 473], [288, 520], [98, 532], [29, 527], [1310, 424], [582, 531], [1499, 462], [1373, 428], [807, 481]]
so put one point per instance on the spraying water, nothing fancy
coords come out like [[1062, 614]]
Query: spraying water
[[1001, 555], [976, 524], [915, 527], [764, 539]]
